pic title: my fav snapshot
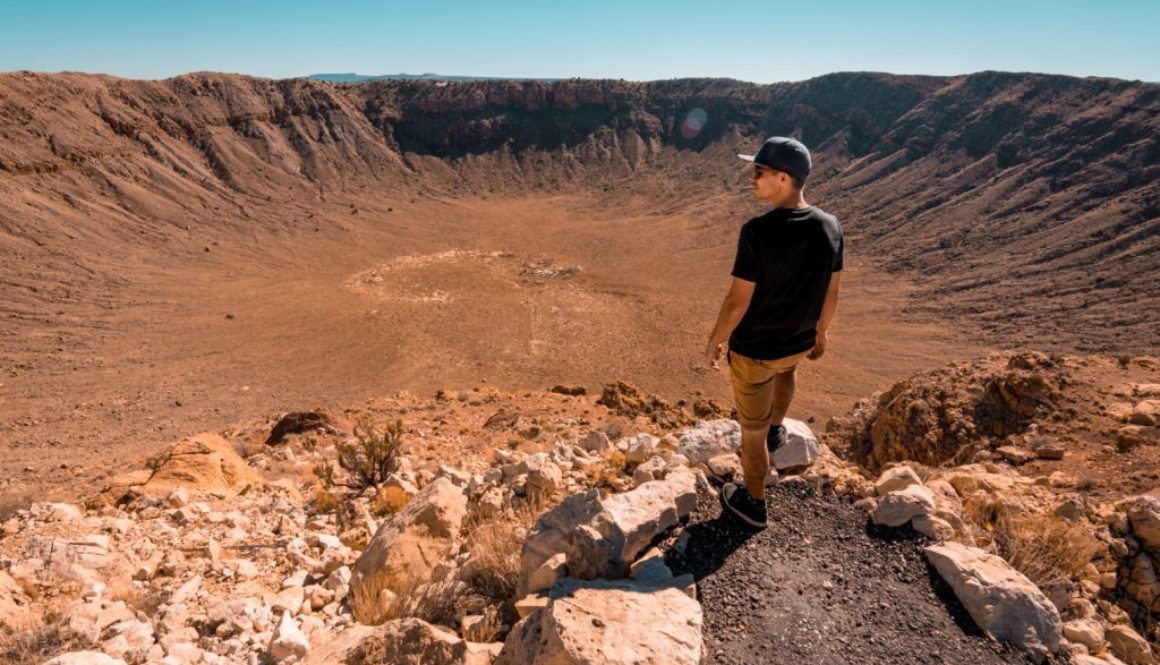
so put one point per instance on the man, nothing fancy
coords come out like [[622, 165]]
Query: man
[[778, 311]]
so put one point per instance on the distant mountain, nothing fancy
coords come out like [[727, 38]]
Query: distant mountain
[[362, 78]]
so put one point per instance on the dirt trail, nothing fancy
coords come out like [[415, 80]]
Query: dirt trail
[[822, 585]]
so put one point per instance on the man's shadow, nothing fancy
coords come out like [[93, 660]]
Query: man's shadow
[[709, 544]]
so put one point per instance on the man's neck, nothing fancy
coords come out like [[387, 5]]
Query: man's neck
[[792, 204]]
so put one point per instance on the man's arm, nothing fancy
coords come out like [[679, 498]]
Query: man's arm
[[828, 308], [732, 309]]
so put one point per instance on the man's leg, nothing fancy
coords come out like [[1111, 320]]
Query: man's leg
[[783, 385], [753, 392], [755, 460]]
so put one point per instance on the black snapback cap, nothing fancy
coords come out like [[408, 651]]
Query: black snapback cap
[[783, 154]]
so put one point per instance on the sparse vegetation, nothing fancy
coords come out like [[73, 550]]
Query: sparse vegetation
[[1046, 548], [324, 501], [39, 642], [390, 500], [147, 600], [368, 460], [11, 503], [373, 601]]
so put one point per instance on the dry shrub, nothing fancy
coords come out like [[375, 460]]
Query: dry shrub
[[147, 601], [390, 500], [11, 503], [39, 642], [1046, 548], [369, 603], [443, 603], [495, 557], [324, 501], [381, 598], [247, 449], [368, 460]]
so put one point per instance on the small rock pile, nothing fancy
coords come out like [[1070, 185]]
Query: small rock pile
[[973, 510]]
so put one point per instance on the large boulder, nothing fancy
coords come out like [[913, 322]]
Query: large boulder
[[601, 537], [554, 531], [709, 439], [899, 507], [407, 546], [801, 447], [204, 462], [1129, 646], [897, 478], [1144, 515], [1002, 601], [608, 623]]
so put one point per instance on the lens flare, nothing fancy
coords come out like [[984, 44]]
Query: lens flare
[[694, 122]]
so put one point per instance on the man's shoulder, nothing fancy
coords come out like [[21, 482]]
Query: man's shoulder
[[826, 218]]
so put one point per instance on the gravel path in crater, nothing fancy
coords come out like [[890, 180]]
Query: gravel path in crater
[[824, 585]]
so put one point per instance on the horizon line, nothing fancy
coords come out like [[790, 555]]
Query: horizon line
[[466, 78]]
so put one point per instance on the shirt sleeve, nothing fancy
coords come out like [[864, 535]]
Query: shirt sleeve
[[746, 265], [838, 258]]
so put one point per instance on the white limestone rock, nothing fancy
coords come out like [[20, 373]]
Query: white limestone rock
[[899, 507], [1088, 632], [288, 640], [708, 439], [1002, 601], [553, 570], [726, 466], [898, 478], [643, 513], [609, 623], [639, 448], [801, 448], [1128, 645], [407, 546]]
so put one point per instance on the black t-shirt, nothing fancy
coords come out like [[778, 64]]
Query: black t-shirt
[[790, 255]]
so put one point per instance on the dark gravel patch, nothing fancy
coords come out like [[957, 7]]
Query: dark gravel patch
[[823, 585]]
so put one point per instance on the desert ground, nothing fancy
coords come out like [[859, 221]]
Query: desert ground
[[513, 294]]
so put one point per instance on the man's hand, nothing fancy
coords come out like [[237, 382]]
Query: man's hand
[[819, 346], [713, 354]]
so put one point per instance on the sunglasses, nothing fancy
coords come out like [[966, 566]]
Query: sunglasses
[[759, 171]]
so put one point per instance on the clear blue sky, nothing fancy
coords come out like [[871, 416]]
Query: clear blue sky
[[754, 41]]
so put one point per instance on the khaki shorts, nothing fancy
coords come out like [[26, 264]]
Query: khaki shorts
[[753, 386]]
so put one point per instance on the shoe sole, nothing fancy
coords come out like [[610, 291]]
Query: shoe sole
[[744, 518]]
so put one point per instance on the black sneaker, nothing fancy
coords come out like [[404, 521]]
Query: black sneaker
[[776, 438], [737, 501]]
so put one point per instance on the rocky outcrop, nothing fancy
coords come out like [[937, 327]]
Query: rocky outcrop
[[609, 623], [900, 506], [204, 462], [713, 438], [599, 538], [943, 416], [1004, 603], [408, 546]]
